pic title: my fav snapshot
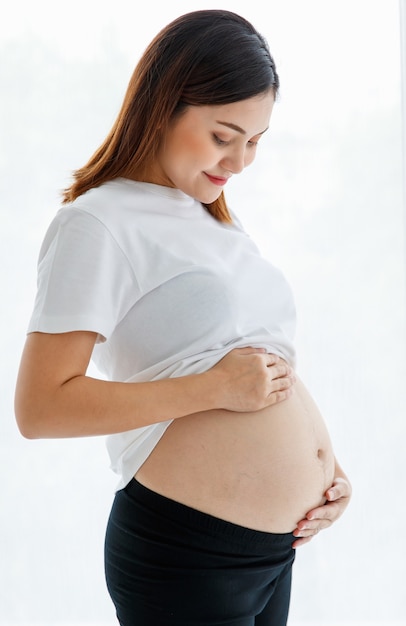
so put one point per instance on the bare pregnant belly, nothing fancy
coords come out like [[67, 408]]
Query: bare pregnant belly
[[263, 470]]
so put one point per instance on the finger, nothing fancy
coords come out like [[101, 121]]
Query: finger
[[301, 542], [329, 513], [274, 359], [308, 533], [279, 370], [278, 396], [311, 527], [339, 489], [325, 512], [280, 384]]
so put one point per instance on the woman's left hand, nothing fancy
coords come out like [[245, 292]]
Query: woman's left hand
[[337, 499]]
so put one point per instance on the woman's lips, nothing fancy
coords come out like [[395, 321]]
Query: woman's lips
[[217, 180]]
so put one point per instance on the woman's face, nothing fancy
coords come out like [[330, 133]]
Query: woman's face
[[206, 145]]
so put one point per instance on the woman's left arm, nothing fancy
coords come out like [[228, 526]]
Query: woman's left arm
[[337, 499]]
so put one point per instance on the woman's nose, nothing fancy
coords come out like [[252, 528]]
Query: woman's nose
[[234, 161]]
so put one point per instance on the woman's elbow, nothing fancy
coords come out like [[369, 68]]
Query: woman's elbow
[[27, 427], [27, 431], [27, 418]]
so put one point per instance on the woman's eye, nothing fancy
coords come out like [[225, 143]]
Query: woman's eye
[[220, 142]]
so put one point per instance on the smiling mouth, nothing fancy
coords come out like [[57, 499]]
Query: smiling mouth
[[217, 180]]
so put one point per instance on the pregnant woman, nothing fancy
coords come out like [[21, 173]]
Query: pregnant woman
[[225, 463]]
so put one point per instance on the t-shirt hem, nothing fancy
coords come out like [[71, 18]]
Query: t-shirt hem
[[58, 325]]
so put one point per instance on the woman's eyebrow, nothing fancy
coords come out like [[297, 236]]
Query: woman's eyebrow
[[237, 128]]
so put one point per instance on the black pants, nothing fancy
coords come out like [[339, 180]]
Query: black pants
[[170, 565]]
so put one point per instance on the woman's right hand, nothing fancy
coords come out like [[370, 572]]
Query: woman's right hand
[[55, 397], [250, 379]]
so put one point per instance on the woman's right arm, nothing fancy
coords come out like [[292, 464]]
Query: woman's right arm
[[55, 398]]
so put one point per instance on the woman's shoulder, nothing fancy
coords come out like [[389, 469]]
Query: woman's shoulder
[[124, 201], [111, 208], [108, 199]]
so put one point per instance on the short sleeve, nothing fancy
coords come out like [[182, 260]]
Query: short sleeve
[[85, 281]]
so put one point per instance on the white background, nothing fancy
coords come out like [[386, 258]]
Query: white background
[[324, 201]]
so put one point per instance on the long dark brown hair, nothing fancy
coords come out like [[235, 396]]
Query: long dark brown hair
[[207, 57]]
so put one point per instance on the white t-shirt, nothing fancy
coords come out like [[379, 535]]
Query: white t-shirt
[[168, 288]]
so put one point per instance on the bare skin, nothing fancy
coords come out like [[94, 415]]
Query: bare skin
[[201, 150], [55, 398], [264, 470], [337, 499]]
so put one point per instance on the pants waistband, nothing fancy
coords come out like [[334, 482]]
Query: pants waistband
[[206, 524]]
